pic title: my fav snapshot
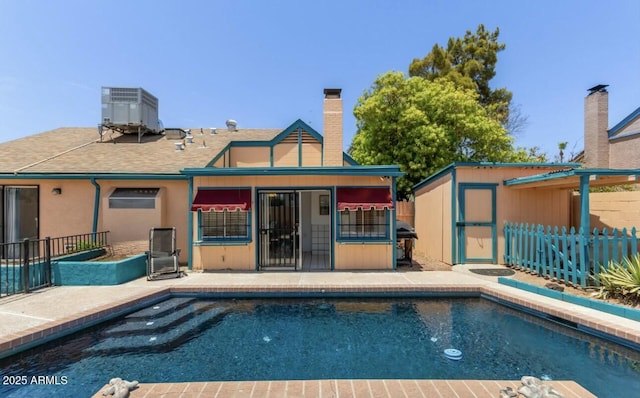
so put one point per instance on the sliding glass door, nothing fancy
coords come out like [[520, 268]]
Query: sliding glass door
[[19, 214]]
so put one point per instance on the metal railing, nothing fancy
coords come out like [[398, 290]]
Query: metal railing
[[571, 257], [26, 265]]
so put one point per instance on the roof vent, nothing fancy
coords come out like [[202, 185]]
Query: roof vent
[[213, 130], [232, 125]]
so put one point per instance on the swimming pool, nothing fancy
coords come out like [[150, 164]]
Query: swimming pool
[[193, 339]]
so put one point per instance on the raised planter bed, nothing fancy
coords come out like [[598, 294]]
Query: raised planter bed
[[75, 270]]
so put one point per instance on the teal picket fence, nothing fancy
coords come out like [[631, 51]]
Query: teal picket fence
[[567, 256]]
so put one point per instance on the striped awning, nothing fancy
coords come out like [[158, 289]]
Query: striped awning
[[222, 199], [353, 198]]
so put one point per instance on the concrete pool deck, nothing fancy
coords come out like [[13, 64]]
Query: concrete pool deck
[[29, 319]]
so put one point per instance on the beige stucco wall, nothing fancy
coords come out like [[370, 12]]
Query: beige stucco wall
[[363, 256], [70, 213], [250, 157], [312, 154], [285, 154], [172, 210], [238, 258]]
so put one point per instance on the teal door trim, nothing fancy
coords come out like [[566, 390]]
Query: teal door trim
[[462, 222]]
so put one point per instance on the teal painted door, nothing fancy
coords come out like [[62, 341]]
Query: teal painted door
[[476, 224]]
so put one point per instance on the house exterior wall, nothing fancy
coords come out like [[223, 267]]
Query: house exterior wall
[[624, 152], [243, 256], [72, 212], [134, 224], [250, 157]]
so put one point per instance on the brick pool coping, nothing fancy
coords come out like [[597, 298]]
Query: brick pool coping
[[345, 388]]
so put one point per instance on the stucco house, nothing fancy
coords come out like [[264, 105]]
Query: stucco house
[[240, 199]]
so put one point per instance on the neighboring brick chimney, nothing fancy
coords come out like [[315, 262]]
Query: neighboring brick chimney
[[596, 122], [332, 155]]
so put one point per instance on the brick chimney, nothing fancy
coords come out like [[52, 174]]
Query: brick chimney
[[596, 122], [332, 113]]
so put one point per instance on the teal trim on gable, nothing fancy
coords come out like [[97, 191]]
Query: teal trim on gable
[[349, 160], [297, 125], [221, 154], [624, 122], [382, 171]]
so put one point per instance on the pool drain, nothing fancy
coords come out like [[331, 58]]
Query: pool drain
[[453, 354]]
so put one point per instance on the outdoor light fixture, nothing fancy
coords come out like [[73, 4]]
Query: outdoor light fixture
[[56, 191]]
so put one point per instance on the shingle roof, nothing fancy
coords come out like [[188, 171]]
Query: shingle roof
[[80, 150]]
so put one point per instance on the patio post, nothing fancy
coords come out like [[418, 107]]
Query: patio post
[[585, 227]]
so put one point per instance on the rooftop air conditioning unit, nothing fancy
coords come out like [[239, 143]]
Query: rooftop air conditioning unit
[[130, 110]]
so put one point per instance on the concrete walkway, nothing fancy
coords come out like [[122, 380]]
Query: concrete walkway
[[29, 320]]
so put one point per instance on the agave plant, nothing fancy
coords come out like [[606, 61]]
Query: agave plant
[[621, 279]]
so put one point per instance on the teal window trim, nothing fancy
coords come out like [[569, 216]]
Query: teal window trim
[[225, 240], [365, 239]]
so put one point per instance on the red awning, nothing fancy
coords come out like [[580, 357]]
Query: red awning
[[364, 198], [222, 199]]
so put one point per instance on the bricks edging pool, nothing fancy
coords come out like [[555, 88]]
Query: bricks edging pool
[[345, 388]]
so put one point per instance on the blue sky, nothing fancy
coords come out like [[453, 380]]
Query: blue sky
[[265, 63]]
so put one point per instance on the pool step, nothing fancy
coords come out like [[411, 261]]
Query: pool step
[[144, 325], [154, 339], [162, 308]]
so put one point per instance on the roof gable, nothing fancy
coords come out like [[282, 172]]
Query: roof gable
[[624, 122], [293, 129]]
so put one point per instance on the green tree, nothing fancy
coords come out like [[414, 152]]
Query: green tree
[[470, 63], [424, 125]]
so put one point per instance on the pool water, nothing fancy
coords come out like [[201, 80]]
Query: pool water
[[188, 339]]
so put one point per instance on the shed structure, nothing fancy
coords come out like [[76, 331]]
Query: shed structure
[[460, 211]]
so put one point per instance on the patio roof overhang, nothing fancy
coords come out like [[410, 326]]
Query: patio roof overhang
[[573, 179]]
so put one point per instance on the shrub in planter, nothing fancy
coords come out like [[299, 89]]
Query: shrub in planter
[[621, 279]]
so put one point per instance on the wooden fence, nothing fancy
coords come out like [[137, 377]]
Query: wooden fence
[[405, 212], [570, 257]]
